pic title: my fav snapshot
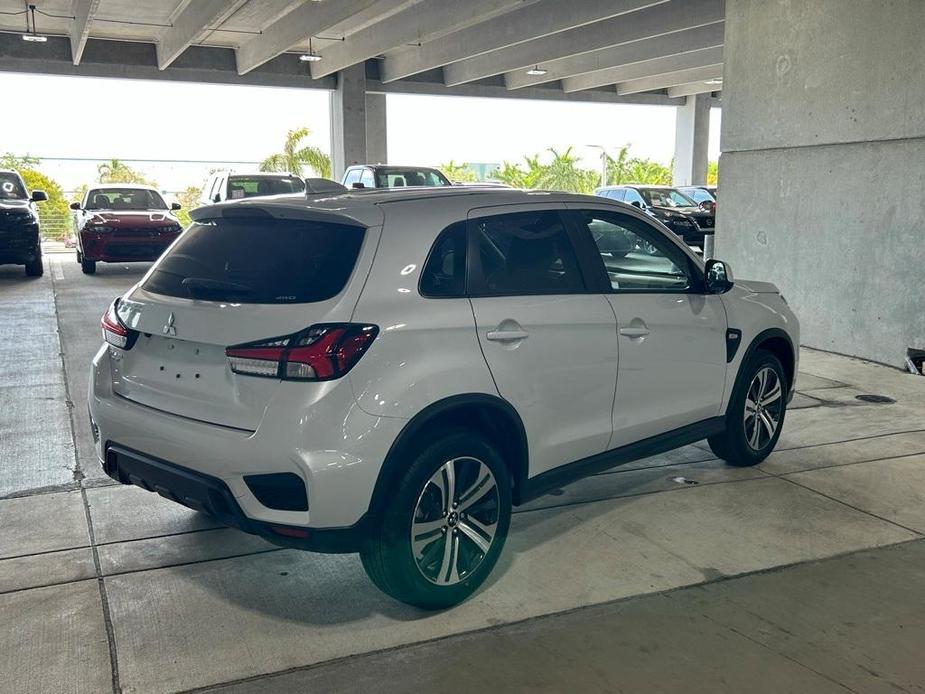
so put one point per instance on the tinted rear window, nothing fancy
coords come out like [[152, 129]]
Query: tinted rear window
[[259, 261]]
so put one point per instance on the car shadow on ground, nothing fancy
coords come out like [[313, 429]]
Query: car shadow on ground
[[328, 590]]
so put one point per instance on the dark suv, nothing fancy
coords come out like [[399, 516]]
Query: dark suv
[[670, 206], [20, 243]]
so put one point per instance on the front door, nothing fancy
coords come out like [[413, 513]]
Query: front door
[[549, 342], [672, 335]]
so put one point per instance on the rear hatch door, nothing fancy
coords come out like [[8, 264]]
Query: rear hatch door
[[229, 281]]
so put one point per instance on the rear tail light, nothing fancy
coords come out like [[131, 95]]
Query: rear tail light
[[319, 353], [115, 332]]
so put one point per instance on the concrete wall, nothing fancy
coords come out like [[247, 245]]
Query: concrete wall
[[822, 186]]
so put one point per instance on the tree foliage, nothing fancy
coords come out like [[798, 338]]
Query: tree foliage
[[295, 157], [54, 214], [11, 161], [188, 199], [458, 173], [553, 170], [626, 169], [116, 171]]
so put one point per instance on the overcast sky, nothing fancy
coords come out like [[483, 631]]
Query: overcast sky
[[134, 119]]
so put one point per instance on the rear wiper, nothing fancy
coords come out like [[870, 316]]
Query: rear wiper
[[206, 285]]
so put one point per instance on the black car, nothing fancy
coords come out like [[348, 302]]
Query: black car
[[20, 243], [671, 207]]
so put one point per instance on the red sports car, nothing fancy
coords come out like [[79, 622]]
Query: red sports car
[[123, 223]]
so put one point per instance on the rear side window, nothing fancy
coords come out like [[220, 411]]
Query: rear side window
[[444, 273], [526, 253], [258, 261]]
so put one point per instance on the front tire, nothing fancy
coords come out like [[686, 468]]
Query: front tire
[[36, 268], [755, 415], [88, 266], [445, 523]]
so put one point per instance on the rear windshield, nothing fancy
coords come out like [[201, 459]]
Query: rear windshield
[[254, 186], [258, 261]]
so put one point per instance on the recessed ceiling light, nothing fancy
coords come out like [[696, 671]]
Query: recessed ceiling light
[[35, 38], [536, 71], [713, 81]]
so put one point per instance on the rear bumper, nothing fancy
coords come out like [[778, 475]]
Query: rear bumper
[[212, 496], [331, 444]]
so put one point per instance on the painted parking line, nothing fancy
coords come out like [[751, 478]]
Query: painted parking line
[[56, 270]]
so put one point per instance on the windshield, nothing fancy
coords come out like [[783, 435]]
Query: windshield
[[666, 197], [259, 186], [11, 187], [698, 195], [399, 177], [124, 199]]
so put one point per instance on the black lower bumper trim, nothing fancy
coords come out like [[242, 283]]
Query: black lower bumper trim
[[212, 496]]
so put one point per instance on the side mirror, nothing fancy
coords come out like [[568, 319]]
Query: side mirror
[[217, 198], [358, 185], [175, 206], [718, 276], [636, 203], [74, 205], [39, 196]]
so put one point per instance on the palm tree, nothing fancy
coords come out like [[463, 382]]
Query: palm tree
[[294, 157], [563, 173]]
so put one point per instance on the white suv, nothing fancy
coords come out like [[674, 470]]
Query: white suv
[[388, 372]]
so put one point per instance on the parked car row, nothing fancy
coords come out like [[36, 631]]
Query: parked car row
[[690, 219]]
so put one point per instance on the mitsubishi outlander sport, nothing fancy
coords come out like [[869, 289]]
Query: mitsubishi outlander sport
[[390, 372]]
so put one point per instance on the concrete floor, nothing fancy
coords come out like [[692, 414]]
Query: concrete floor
[[105, 587]]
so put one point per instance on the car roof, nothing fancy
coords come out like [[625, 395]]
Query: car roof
[[263, 174], [363, 205], [134, 186]]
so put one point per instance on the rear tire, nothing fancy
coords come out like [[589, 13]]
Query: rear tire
[[36, 268], [433, 549], [756, 412], [88, 266]]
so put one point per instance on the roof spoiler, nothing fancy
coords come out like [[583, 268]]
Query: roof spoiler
[[323, 185]]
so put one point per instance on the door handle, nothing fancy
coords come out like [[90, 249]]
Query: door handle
[[506, 335], [634, 332]]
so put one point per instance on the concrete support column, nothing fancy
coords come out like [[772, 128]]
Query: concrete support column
[[823, 156], [691, 140], [377, 149], [348, 119]]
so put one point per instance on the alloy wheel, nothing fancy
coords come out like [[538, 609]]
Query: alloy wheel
[[455, 521], [763, 408]]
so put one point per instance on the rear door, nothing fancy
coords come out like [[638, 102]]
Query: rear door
[[226, 282], [672, 334], [549, 342]]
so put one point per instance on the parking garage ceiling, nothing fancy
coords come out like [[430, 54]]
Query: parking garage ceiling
[[635, 51]]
